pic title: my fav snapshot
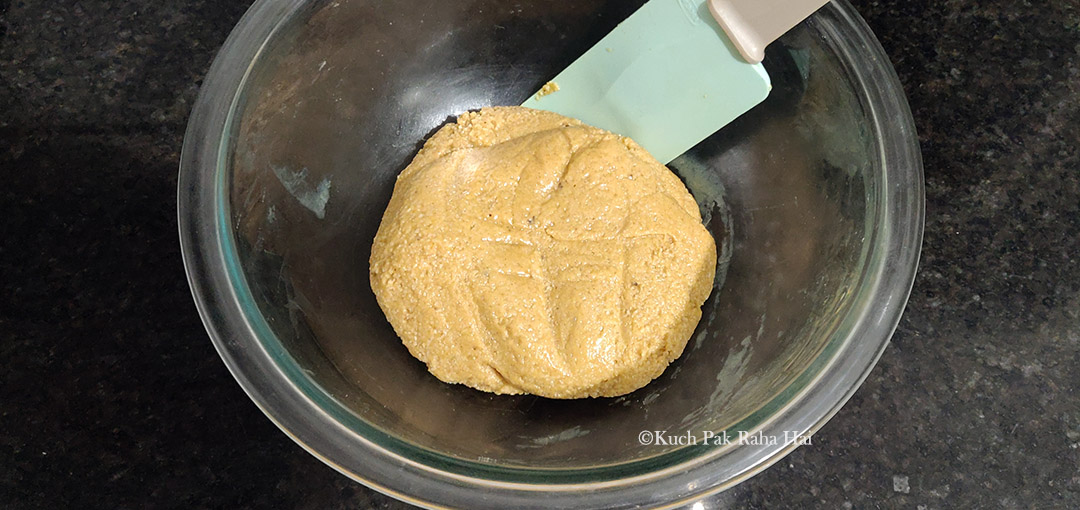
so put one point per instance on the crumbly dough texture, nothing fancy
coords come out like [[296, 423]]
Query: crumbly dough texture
[[526, 252]]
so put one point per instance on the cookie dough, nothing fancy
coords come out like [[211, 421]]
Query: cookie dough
[[526, 252]]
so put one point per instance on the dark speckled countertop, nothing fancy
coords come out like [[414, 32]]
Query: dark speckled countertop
[[113, 397]]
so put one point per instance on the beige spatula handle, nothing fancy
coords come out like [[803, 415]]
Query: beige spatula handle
[[753, 24]]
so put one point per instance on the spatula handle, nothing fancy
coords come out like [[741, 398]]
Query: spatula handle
[[753, 24]]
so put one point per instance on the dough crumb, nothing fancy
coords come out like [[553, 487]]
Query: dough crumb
[[548, 89]]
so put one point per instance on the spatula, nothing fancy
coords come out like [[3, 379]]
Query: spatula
[[676, 71]]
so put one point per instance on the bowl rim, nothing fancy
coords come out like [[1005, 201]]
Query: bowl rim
[[205, 234]]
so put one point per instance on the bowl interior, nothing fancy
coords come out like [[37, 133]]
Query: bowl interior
[[343, 95]]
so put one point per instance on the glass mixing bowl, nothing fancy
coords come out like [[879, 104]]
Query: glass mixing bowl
[[313, 107]]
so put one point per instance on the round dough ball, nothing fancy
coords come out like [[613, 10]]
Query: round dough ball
[[526, 252]]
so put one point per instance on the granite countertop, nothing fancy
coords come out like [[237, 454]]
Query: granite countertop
[[113, 397]]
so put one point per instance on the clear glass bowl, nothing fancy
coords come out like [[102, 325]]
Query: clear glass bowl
[[313, 107]]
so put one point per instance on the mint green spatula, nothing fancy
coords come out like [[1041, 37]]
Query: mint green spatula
[[676, 71]]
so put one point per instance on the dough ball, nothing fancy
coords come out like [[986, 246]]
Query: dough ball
[[526, 252]]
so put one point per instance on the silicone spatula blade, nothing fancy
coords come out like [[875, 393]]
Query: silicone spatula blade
[[668, 76]]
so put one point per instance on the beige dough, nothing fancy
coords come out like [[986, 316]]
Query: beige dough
[[526, 252]]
